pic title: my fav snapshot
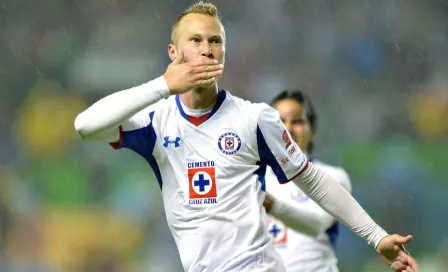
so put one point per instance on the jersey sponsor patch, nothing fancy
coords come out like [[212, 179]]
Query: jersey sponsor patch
[[286, 139], [171, 141], [229, 143], [202, 183], [278, 232]]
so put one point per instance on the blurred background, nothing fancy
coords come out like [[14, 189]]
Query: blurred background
[[376, 70]]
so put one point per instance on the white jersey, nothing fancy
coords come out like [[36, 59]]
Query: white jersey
[[212, 178], [301, 252]]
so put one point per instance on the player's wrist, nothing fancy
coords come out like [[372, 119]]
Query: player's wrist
[[172, 88], [379, 238], [162, 86]]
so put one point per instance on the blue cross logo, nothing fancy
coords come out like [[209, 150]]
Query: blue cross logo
[[275, 231], [201, 183], [229, 143], [167, 141]]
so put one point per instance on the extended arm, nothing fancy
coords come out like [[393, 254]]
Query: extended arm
[[101, 121], [334, 199]]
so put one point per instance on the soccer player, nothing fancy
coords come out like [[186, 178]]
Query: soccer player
[[302, 232], [209, 150]]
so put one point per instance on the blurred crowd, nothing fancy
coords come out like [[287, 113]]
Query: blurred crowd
[[376, 70]]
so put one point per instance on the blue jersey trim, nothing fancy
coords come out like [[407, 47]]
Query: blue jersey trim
[[221, 98], [181, 110], [261, 172], [267, 158], [142, 141], [333, 234]]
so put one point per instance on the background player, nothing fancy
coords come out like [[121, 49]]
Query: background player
[[302, 232], [207, 172]]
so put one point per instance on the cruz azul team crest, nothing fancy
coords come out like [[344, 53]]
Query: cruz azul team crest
[[229, 143], [278, 232], [202, 183]]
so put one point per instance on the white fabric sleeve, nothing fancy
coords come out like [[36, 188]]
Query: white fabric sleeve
[[276, 147], [301, 218], [306, 216], [333, 198], [101, 121], [344, 180]]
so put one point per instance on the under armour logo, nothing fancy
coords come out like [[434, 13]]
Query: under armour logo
[[167, 141]]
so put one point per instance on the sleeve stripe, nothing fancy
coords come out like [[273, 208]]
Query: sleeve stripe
[[268, 158], [142, 141], [300, 172], [261, 172]]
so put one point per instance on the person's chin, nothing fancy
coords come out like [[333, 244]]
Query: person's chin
[[208, 87]]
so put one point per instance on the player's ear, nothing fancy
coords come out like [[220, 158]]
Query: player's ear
[[172, 51]]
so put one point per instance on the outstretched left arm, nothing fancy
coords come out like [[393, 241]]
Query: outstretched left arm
[[334, 199]]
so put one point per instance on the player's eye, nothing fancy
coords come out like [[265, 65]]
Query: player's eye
[[216, 41], [195, 40]]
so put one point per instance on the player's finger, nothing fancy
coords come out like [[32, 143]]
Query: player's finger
[[410, 267], [398, 266], [408, 260], [207, 75], [206, 82], [413, 264], [204, 61], [180, 57], [403, 240], [208, 68]]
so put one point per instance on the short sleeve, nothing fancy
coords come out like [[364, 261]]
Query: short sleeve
[[276, 148], [138, 134]]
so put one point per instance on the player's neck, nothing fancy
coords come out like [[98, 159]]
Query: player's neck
[[200, 98]]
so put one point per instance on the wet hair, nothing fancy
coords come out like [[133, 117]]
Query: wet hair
[[304, 100]]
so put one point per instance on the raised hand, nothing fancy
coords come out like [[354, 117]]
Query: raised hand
[[183, 76], [393, 253]]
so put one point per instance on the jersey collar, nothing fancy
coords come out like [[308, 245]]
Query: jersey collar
[[221, 98]]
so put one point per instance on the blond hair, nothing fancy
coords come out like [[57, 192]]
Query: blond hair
[[200, 7]]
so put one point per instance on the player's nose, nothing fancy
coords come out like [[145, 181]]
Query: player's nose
[[207, 51]]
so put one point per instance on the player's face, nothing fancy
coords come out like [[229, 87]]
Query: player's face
[[200, 35], [293, 116]]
